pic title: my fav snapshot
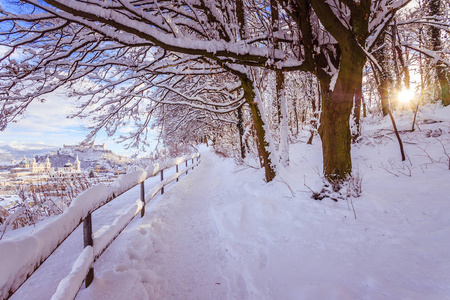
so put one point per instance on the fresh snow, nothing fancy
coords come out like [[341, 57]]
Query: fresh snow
[[26, 251], [222, 233], [66, 289]]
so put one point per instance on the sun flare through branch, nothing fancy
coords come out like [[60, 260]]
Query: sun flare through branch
[[405, 95]]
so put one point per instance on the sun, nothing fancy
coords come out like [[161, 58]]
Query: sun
[[405, 95]]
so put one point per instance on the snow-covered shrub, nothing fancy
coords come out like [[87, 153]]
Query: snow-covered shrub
[[39, 200], [348, 189], [354, 185]]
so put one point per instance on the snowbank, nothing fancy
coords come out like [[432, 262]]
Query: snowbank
[[69, 286], [21, 256], [222, 233]]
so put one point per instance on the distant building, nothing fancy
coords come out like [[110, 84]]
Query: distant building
[[69, 170], [69, 149], [24, 163], [25, 168], [22, 170]]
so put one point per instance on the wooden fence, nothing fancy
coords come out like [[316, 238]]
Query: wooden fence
[[80, 212]]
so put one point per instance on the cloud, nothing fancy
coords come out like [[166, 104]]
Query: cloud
[[47, 123]]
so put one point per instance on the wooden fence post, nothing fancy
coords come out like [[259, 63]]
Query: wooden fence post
[[88, 241], [177, 171], [162, 178], [186, 167], [192, 163], [142, 198]]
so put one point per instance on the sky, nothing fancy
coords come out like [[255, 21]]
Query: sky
[[47, 123]]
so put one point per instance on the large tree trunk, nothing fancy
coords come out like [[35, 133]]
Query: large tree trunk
[[315, 116], [250, 97], [441, 73], [240, 126], [434, 7], [335, 134], [385, 76], [337, 104], [282, 119], [283, 122], [263, 145], [357, 112], [384, 93]]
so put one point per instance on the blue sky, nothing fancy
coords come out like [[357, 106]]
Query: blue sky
[[46, 123]]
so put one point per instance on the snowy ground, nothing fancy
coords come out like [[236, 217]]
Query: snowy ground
[[222, 233]]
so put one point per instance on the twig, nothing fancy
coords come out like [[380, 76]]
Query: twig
[[354, 212], [397, 135], [384, 168], [280, 179], [445, 152]]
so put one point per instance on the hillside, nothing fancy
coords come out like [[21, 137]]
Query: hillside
[[222, 233], [88, 158], [16, 151]]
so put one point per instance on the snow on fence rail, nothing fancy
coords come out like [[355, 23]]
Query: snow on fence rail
[[20, 258]]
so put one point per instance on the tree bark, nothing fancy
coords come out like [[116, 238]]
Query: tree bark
[[337, 107], [295, 116], [435, 35], [282, 119], [283, 123], [240, 126], [263, 145], [357, 112], [444, 84], [315, 116], [385, 76], [335, 134]]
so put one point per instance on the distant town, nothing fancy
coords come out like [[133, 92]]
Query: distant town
[[70, 164]]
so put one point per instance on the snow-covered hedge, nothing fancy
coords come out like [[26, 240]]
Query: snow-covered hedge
[[20, 257]]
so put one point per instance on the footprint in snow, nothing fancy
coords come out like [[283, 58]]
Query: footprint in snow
[[121, 268]]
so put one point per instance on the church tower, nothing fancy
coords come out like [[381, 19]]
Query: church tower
[[77, 164], [33, 165], [47, 165]]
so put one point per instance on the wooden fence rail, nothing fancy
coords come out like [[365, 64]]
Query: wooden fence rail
[[80, 211]]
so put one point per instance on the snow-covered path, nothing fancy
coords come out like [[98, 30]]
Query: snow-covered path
[[223, 233], [178, 254]]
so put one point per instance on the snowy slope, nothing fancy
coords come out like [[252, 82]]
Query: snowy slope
[[17, 151], [222, 233]]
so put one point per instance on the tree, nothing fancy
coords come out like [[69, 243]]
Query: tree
[[337, 57], [327, 38], [423, 29], [435, 12], [86, 51]]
